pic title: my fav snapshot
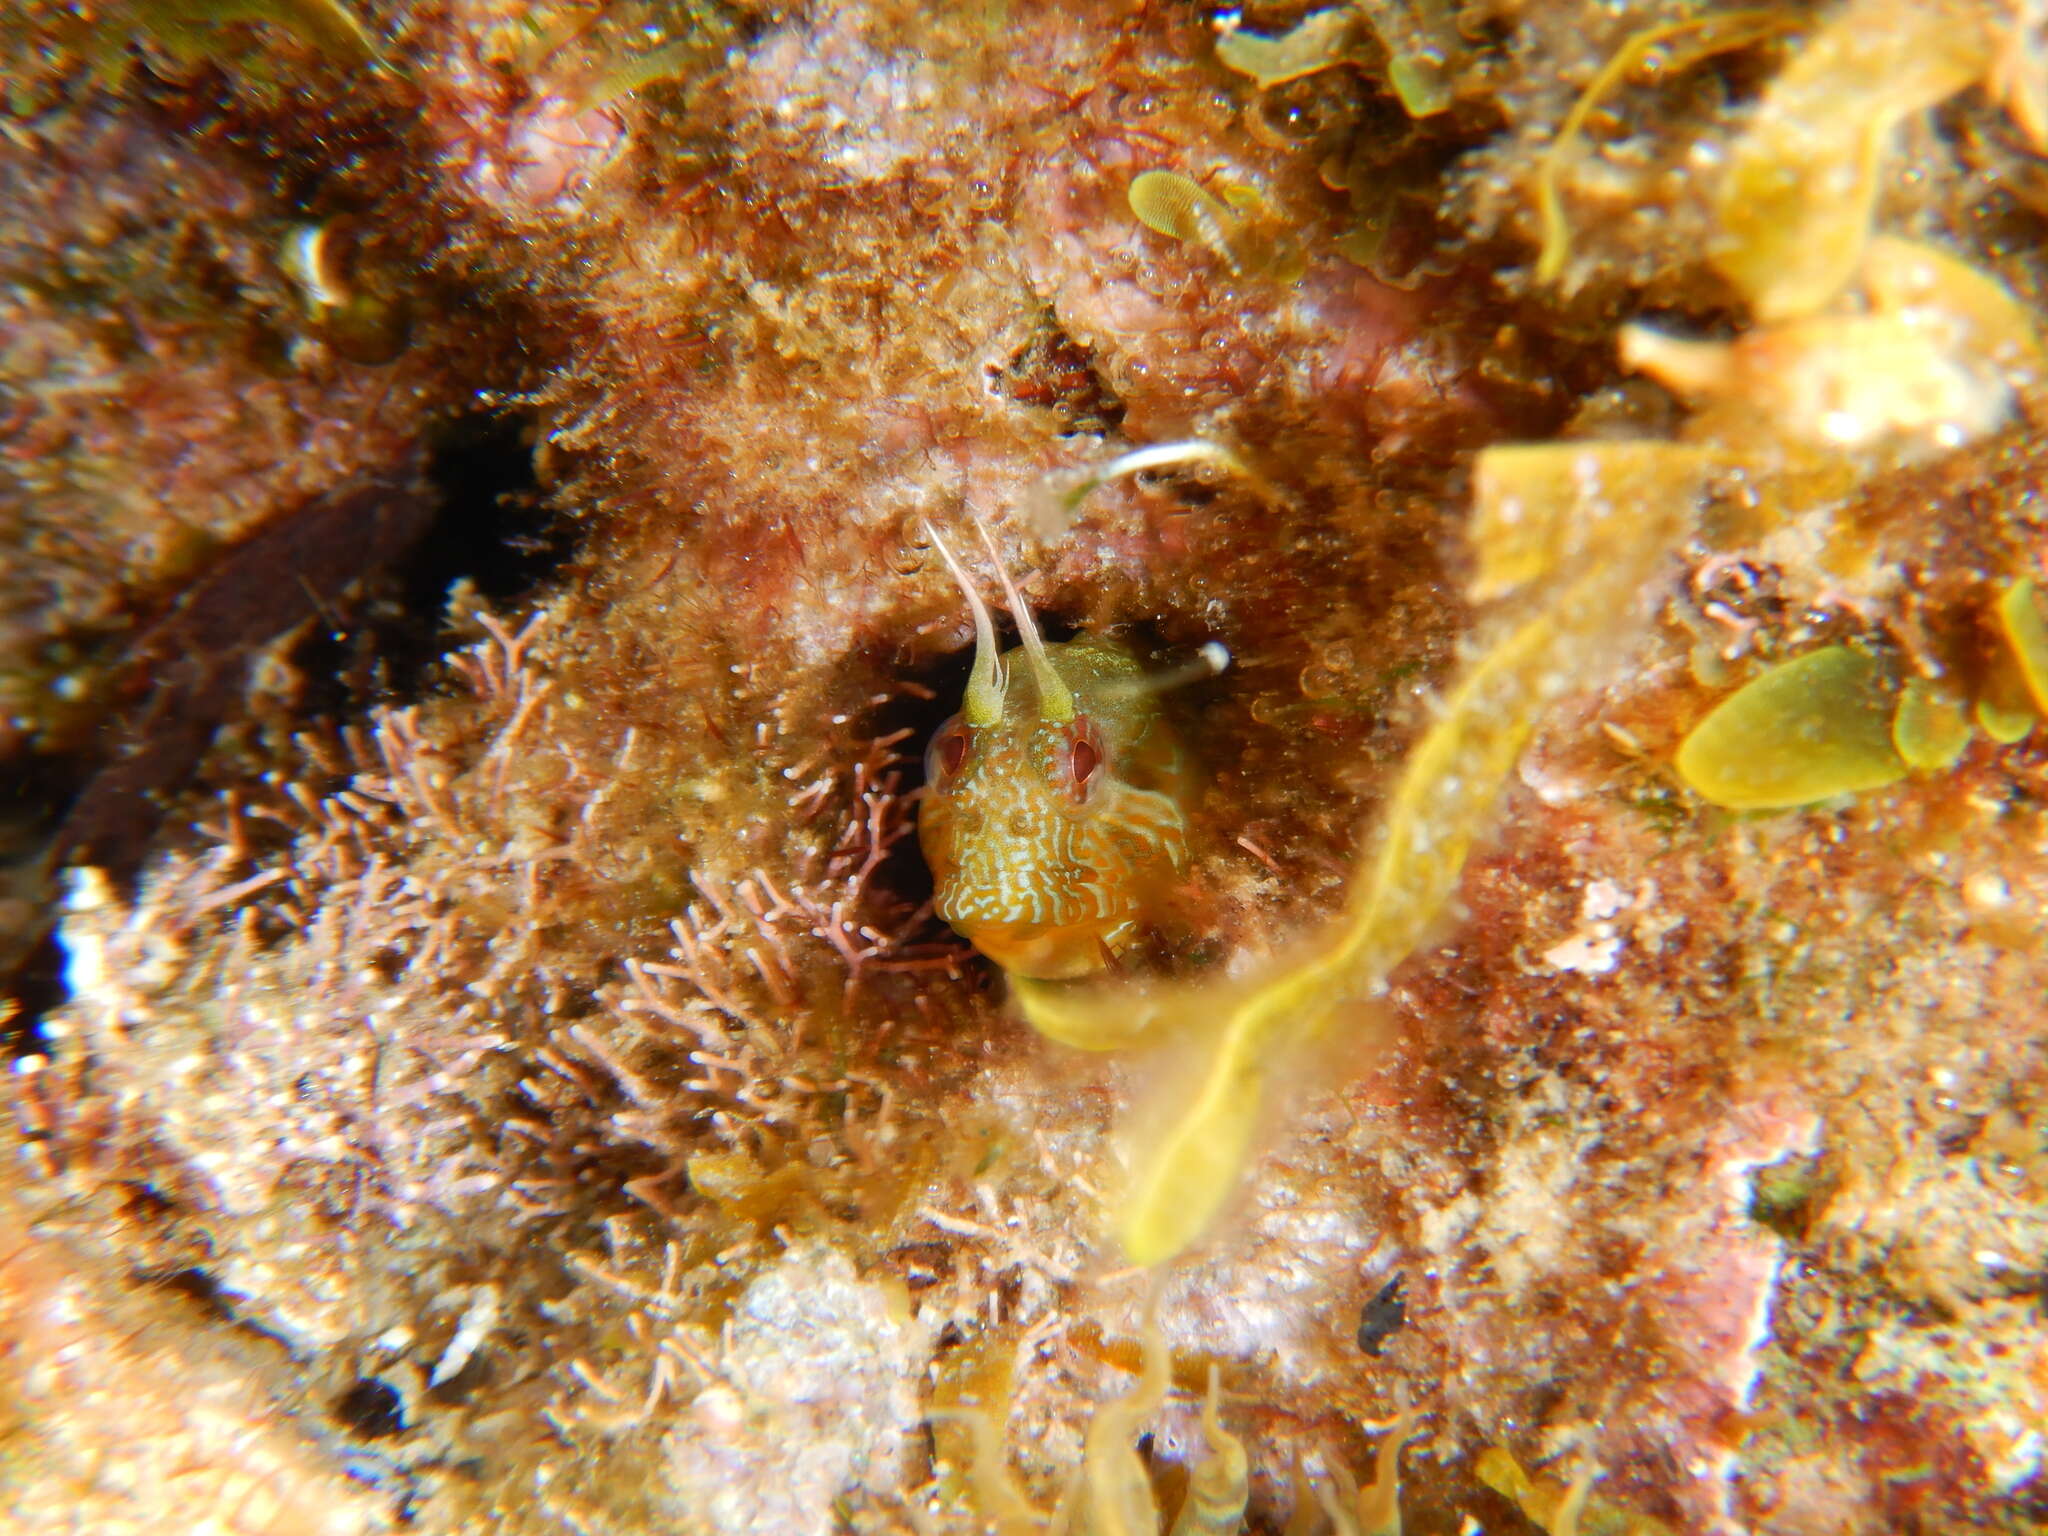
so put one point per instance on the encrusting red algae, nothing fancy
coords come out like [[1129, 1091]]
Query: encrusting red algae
[[513, 1070]]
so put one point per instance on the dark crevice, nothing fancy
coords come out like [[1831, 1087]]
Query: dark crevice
[[197, 1287], [370, 1410], [363, 571], [36, 987], [904, 874], [492, 527]]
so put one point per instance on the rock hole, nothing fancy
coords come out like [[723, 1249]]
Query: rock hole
[[370, 1410], [371, 563], [1054, 373]]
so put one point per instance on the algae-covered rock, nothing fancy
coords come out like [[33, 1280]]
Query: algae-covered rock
[[506, 1074]]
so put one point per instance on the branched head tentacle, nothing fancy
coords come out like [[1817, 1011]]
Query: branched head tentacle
[[1055, 699], [982, 704]]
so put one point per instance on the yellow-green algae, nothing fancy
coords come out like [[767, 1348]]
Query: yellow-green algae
[[2003, 723], [1809, 729], [1173, 205], [2026, 633], [1932, 727], [192, 30], [1419, 42], [1235, 228], [1795, 207], [1321, 40], [1561, 1509]]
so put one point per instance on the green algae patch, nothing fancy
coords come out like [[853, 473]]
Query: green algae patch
[[192, 29], [2026, 633], [1808, 729], [1321, 41], [2002, 722], [1417, 43], [1932, 728]]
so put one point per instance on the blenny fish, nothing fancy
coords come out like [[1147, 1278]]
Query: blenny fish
[[1053, 816]]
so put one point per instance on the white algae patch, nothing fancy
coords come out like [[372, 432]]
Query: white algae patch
[[813, 1394]]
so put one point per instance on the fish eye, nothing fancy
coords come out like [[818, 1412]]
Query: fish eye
[[1085, 758], [947, 754]]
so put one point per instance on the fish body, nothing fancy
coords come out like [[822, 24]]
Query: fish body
[[1051, 830]]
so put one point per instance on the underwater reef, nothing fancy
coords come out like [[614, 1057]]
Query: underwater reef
[[478, 484]]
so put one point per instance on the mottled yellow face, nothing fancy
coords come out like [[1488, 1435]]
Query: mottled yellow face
[[1051, 827]]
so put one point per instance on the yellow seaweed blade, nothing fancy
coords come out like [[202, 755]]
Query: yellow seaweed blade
[[1322, 40], [1219, 1485], [1116, 1492], [326, 26], [1438, 810], [2026, 634], [1559, 1509], [1809, 729], [1443, 803], [1928, 286], [1182, 1180], [1796, 204], [1931, 729], [1247, 1030], [1539, 508], [1088, 1017], [1498, 1469]]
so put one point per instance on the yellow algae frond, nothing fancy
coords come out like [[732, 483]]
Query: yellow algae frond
[[1539, 508], [1376, 1510], [1562, 1509], [1244, 1030], [2026, 633], [977, 1405], [1321, 40], [1682, 44], [1809, 729], [1236, 228], [1219, 1486], [1932, 727], [1972, 311], [1417, 41], [996, 1496], [1115, 1490], [2004, 723], [1796, 204], [1422, 42]]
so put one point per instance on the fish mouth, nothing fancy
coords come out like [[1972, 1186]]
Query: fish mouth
[[1043, 953]]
